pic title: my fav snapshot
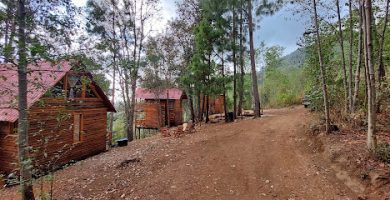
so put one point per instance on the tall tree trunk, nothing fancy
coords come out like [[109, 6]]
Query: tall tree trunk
[[371, 132], [134, 71], [112, 102], [360, 60], [130, 134], [322, 69], [365, 103], [207, 88], [203, 107], [113, 75], [234, 64], [207, 109], [200, 103], [191, 101], [381, 66], [341, 41], [255, 87], [350, 56], [224, 89], [127, 102], [365, 56], [242, 72], [24, 161]]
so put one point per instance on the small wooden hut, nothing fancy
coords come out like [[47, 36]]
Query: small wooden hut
[[67, 115], [216, 104], [158, 109]]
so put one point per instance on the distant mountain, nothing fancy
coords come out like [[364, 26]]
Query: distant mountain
[[294, 59]]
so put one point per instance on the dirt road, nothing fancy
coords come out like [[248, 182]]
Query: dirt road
[[250, 159]]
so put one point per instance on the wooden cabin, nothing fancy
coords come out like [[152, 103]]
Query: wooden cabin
[[67, 115], [216, 104], [158, 109]]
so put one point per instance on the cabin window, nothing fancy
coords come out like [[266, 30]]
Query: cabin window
[[79, 86], [75, 86], [77, 127]]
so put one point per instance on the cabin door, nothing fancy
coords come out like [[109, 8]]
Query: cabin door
[[168, 112], [164, 118], [171, 108]]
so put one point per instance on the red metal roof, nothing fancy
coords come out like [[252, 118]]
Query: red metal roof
[[171, 93], [41, 76]]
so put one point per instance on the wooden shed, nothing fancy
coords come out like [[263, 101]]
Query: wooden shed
[[216, 104], [156, 109], [67, 115]]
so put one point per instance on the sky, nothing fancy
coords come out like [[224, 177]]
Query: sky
[[283, 28]]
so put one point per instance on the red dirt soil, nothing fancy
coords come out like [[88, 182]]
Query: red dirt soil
[[264, 158]]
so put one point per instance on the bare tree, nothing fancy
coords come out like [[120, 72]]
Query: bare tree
[[322, 68], [360, 60], [341, 41], [381, 67], [350, 100], [142, 12], [371, 104]]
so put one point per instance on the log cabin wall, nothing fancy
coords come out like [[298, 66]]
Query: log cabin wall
[[218, 104], [147, 115], [215, 104], [52, 130], [178, 110], [8, 148]]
